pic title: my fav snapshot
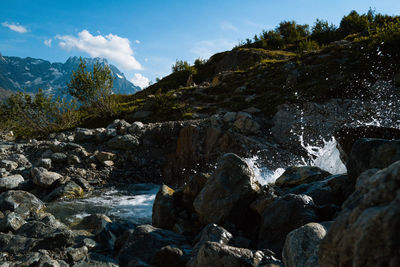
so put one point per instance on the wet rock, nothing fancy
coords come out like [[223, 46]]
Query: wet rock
[[82, 183], [215, 254], [365, 232], [124, 142], [265, 197], [228, 192], [142, 243], [300, 175], [193, 188], [11, 182], [70, 190], [45, 163], [94, 223], [44, 178], [301, 245], [372, 153], [8, 165], [164, 214], [21, 202], [283, 216], [169, 256], [11, 222]]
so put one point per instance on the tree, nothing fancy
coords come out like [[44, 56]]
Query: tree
[[93, 89], [180, 65]]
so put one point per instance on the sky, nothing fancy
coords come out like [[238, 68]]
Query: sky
[[144, 38]]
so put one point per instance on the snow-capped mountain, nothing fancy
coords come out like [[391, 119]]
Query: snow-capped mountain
[[30, 74]]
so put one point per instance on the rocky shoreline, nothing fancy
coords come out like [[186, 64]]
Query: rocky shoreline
[[203, 215]]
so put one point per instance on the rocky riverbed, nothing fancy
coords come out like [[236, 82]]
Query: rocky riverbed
[[85, 198]]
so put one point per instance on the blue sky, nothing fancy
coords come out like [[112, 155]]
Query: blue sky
[[145, 37]]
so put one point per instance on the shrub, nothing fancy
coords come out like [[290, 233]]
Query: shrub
[[93, 88], [308, 45], [181, 65], [37, 115]]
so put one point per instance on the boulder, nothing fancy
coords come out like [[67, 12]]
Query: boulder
[[94, 223], [369, 153], [121, 126], [8, 165], [246, 125], [169, 256], [366, 231], [21, 160], [21, 202], [216, 254], [265, 197], [70, 190], [192, 188], [142, 243], [136, 128], [44, 178], [104, 156], [16, 244], [301, 175], [164, 214], [301, 245], [45, 163], [11, 182], [82, 135], [77, 254], [228, 192], [11, 222], [229, 116], [59, 157], [285, 214], [124, 142]]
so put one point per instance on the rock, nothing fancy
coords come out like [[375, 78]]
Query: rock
[[73, 160], [141, 114], [215, 254], [142, 243], [164, 215], [228, 192], [283, 216], [45, 163], [94, 223], [8, 165], [11, 222], [21, 160], [120, 125], [21, 202], [366, 231], [108, 163], [77, 254], [252, 110], [70, 190], [346, 136], [301, 245], [44, 178], [246, 125], [211, 233], [265, 197], [59, 157], [372, 153], [124, 142], [169, 256], [300, 175], [82, 183], [11, 182], [229, 116], [193, 188], [16, 244], [396, 79], [82, 135], [104, 156], [136, 128]]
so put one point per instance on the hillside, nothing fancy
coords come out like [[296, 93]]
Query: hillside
[[29, 74]]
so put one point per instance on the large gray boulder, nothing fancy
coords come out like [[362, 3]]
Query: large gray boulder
[[44, 178], [11, 182], [228, 192], [301, 245], [371, 153], [283, 216], [294, 176], [366, 232]]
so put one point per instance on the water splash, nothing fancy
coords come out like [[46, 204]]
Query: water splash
[[262, 173]]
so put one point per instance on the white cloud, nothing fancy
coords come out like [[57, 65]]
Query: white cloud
[[207, 48], [14, 27], [137, 41], [139, 80], [227, 26], [48, 42], [112, 47]]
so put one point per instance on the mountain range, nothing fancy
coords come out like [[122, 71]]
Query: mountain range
[[29, 74]]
